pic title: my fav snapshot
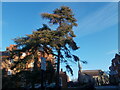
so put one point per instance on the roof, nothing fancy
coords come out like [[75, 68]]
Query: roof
[[4, 53], [62, 73], [92, 72], [115, 59]]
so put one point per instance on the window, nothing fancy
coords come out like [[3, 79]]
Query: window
[[118, 61], [114, 64], [31, 64], [116, 71], [9, 72]]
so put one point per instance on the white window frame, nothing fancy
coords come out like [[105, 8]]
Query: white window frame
[[118, 62], [114, 64]]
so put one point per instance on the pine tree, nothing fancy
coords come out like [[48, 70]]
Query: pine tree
[[57, 42], [63, 35], [35, 43]]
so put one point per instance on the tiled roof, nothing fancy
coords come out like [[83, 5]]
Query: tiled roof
[[91, 72]]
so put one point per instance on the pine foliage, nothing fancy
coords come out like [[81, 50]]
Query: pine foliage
[[53, 40]]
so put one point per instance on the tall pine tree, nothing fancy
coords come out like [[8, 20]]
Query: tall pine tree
[[57, 42], [62, 40]]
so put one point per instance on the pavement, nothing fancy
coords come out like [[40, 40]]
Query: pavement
[[107, 88]]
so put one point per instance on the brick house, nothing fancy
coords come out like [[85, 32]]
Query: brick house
[[6, 62], [97, 77], [115, 70]]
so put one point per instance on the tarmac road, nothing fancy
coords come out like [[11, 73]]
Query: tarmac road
[[107, 88]]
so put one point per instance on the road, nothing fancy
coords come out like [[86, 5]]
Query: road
[[107, 88], [96, 88]]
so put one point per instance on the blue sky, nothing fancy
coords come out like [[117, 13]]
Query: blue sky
[[97, 31], [60, 1]]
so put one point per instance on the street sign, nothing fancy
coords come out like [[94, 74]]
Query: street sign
[[43, 63]]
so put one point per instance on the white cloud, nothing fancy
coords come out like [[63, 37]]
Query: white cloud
[[99, 20], [112, 52]]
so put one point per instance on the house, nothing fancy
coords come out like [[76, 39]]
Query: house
[[17, 70], [7, 62], [97, 77], [115, 70], [64, 79]]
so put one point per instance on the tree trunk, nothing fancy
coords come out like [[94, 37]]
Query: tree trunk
[[35, 68], [58, 67], [42, 79]]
